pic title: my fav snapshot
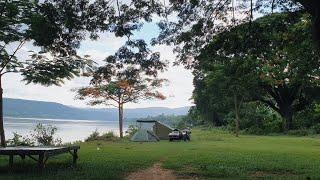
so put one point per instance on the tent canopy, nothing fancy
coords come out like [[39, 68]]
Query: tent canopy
[[150, 130], [144, 135]]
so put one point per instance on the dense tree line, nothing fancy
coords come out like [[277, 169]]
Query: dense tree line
[[275, 66]]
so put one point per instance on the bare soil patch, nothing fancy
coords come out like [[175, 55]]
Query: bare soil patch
[[156, 172]]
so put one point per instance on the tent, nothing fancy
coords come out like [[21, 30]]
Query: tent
[[151, 130], [144, 135]]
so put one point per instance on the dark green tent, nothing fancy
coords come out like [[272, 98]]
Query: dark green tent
[[144, 135], [150, 131]]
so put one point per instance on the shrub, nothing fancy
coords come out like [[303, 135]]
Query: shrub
[[93, 136], [108, 136], [44, 135], [298, 132], [132, 129], [254, 130], [19, 140], [316, 128], [256, 118], [41, 135]]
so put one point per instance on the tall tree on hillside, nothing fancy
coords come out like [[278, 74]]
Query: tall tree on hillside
[[127, 77], [282, 55]]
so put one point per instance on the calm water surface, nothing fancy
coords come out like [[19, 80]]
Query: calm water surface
[[68, 130]]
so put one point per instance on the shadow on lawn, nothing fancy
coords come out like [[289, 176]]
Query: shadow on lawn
[[22, 167]]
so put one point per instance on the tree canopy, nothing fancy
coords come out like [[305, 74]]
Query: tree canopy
[[278, 58], [128, 76], [191, 24]]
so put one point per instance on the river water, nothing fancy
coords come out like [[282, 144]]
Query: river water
[[68, 130]]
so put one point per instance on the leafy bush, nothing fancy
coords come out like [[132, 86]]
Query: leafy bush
[[41, 135], [44, 135], [299, 132], [255, 118], [316, 128], [308, 117], [19, 140], [132, 129], [108, 136], [93, 136]]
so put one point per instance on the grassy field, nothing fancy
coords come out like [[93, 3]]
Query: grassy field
[[210, 155]]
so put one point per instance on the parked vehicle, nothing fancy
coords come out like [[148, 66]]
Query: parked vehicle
[[176, 134], [186, 134]]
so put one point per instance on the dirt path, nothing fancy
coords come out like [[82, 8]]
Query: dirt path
[[156, 172]]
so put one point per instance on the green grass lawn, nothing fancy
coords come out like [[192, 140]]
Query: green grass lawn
[[210, 155]]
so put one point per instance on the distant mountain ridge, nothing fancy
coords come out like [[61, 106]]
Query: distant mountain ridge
[[51, 110]]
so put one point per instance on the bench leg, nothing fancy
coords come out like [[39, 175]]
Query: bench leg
[[11, 162], [75, 156], [23, 157], [41, 161]]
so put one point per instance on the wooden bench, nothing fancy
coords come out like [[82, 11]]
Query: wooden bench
[[43, 153]]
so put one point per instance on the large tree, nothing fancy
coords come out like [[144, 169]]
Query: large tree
[[128, 76], [284, 59], [227, 85], [127, 86]]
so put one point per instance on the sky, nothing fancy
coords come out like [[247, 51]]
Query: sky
[[178, 91]]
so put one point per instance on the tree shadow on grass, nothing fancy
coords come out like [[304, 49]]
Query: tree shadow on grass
[[29, 168]]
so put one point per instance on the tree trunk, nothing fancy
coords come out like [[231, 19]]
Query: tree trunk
[[237, 118], [2, 136], [287, 115], [121, 119]]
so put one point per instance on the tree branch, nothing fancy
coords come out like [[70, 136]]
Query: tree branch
[[272, 6], [3, 8], [6, 72], [4, 64], [270, 104]]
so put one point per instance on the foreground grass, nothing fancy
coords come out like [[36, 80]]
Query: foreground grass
[[210, 155]]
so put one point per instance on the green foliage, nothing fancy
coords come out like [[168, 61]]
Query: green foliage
[[197, 21], [108, 136], [122, 80], [316, 128], [94, 135], [19, 140], [132, 129], [260, 119], [299, 132], [307, 118], [44, 135], [267, 64]]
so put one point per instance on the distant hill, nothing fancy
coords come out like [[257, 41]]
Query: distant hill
[[41, 109]]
